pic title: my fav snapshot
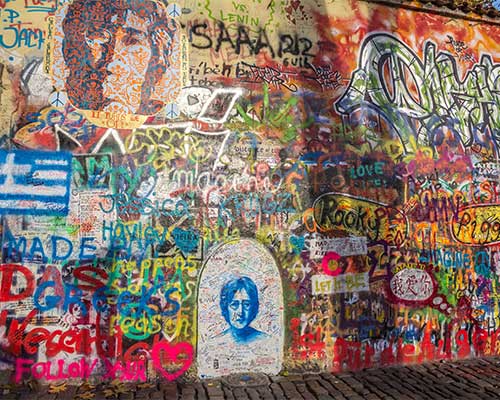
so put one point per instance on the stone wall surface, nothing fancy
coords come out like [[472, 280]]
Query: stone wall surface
[[209, 188]]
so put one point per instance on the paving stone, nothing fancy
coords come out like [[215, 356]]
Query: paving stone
[[372, 396], [352, 382], [374, 379], [265, 392], [156, 395], [354, 396], [304, 392], [253, 394], [240, 394], [169, 390], [127, 396], [294, 394], [295, 377], [404, 390], [188, 390], [289, 389], [228, 393], [276, 388], [277, 391], [349, 393], [311, 376], [316, 388], [200, 391], [214, 391], [331, 390]]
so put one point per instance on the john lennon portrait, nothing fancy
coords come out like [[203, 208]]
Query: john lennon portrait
[[240, 311], [117, 55], [239, 303]]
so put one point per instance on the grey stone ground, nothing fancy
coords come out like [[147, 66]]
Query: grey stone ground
[[466, 379]]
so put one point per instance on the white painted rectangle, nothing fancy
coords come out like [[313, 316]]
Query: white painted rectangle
[[345, 283], [348, 246]]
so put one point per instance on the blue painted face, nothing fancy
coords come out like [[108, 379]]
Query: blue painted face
[[239, 302], [239, 309]]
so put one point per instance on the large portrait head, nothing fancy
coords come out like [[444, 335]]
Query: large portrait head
[[239, 303], [117, 55]]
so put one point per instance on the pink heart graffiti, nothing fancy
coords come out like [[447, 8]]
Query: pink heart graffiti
[[171, 352]]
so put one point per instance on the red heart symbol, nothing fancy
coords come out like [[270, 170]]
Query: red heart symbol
[[162, 350], [295, 4]]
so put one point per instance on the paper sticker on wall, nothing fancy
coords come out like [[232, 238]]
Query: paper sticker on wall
[[49, 45], [117, 59], [344, 283], [34, 182], [240, 311], [184, 61], [347, 246]]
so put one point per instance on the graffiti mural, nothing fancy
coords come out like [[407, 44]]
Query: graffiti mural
[[120, 57], [425, 98], [200, 190]]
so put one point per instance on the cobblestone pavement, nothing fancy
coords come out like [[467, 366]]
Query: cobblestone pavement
[[466, 379]]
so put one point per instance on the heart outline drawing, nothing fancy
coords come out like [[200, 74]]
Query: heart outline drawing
[[172, 353]]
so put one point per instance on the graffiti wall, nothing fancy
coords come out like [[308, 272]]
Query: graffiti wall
[[202, 189]]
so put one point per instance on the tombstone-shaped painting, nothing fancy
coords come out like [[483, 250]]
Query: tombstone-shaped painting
[[240, 311]]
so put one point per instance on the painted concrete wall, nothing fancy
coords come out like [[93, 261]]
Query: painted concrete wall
[[205, 189]]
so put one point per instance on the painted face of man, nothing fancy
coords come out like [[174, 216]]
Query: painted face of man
[[127, 70], [239, 309]]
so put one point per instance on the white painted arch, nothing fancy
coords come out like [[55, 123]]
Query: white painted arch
[[217, 353]]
